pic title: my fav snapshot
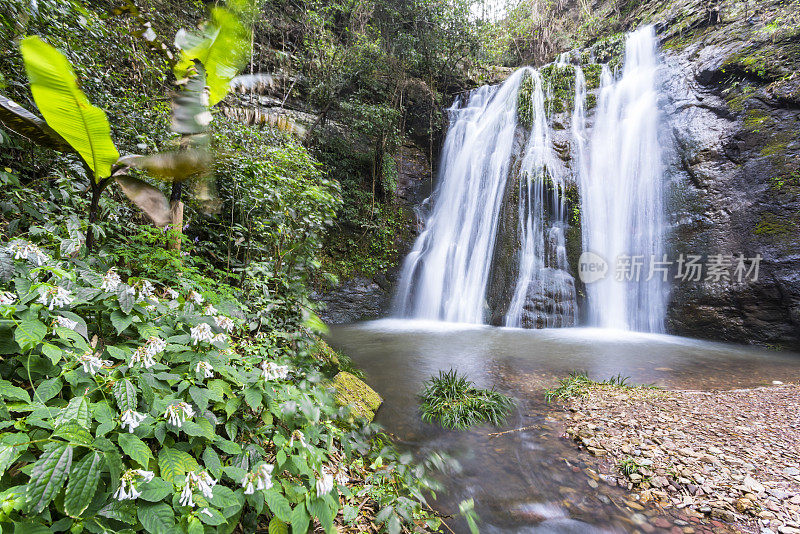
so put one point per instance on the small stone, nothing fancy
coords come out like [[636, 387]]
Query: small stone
[[593, 484], [791, 471], [752, 485], [743, 505], [725, 515]]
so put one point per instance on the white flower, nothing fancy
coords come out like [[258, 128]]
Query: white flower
[[224, 323], [260, 479], [220, 338], [205, 368], [247, 484], [54, 296], [121, 494], [273, 371], [342, 478], [300, 437], [132, 419], [111, 281], [23, 250], [145, 355], [186, 494], [196, 297], [176, 414], [146, 475], [146, 289], [325, 484], [210, 309], [201, 332], [127, 479], [264, 476], [64, 322], [7, 299], [92, 363], [172, 294], [207, 512], [202, 481]]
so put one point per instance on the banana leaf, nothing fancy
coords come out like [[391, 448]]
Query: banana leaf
[[65, 107]]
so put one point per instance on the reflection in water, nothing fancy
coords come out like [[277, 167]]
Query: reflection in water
[[532, 480]]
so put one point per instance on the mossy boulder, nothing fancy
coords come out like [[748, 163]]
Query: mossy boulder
[[355, 393]]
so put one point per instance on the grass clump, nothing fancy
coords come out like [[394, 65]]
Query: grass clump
[[454, 402], [578, 383]]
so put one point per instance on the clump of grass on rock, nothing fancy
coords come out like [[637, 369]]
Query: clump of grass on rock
[[454, 402]]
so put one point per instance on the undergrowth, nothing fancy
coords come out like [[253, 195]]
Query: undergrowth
[[454, 402], [578, 383]]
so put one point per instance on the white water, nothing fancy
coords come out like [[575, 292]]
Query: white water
[[622, 190], [446, 274], [617, 166]]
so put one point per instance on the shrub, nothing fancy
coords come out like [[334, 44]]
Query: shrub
[[454, 402], [130, 406]]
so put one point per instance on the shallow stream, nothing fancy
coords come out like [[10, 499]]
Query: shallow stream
[[534, 480]]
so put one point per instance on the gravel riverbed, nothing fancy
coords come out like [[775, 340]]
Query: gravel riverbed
[[726, 459]]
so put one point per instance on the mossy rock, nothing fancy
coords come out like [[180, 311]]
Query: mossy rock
[[355, 393], [323, 352]]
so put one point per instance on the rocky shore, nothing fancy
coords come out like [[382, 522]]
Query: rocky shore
[[724, 459]]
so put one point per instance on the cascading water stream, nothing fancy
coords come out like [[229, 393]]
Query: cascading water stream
[[617, 168], [621, 194], [445, 275]]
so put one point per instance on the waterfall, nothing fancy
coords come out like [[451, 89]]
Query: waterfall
[[621, 193], [494, 247], [445, 275]]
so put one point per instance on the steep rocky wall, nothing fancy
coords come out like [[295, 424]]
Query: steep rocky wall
[[732, 101]]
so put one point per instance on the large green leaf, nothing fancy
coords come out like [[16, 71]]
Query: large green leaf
[[221, 48], [83, 479], [29, 333], [21, 121], [66, 109], [174, 464], [125, 393], [149, 199], [157, 518], [135, 448], [48, 476]]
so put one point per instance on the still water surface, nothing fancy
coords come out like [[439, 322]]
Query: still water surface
[[534, 481]]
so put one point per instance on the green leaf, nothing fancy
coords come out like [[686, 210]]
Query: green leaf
[[29, 333], [121, 321], [253, 397], [74, 432], [47, 389], [157, 518], [48, 476], [30, 527], [126, 298], [11, 446], [215, 519], [52, 352], [155, 490], [300, 518], [12, 392], [124, 511], [77, 410], [212, 462], [319, 509], [195, 526], [278, 505], [135, 448], [83, 478], [222, 49], [125, 393], [227, 500], [66, 109], [276, 526], [147, 198], [174, 464]]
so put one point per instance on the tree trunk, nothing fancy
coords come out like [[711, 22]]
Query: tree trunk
[[176, 208]]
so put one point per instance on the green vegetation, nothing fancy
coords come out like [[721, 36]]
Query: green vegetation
[[454, 402], [578, 384], [162, 373]]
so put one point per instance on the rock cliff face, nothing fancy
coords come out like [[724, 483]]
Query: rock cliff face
[[732, 107]]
